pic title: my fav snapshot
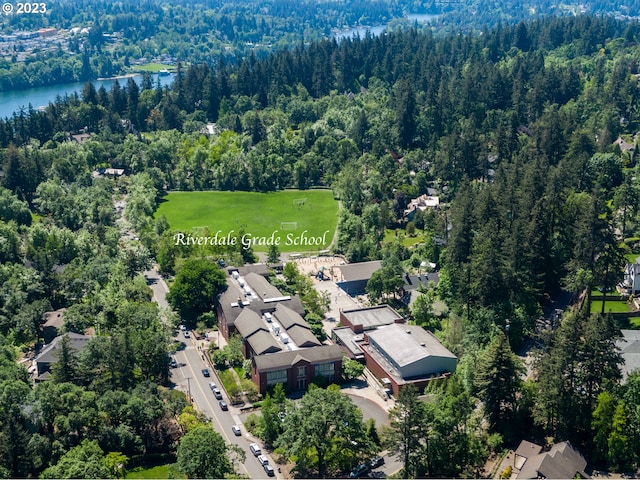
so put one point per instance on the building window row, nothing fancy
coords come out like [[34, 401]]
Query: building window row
[[325, 369], [277, 376]]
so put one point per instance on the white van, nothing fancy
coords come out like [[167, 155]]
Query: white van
[[255, 449]]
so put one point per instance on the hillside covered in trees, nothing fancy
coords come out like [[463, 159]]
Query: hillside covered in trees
[[516, 128], [103, 38]]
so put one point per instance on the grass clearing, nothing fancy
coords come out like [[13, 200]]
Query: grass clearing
[[610, 295], [300, 221], [610, 306], [153, 67], [407, 241], [159, 471]]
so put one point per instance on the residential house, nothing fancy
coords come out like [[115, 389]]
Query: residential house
[[80, 137], [422, 203], [629, 346], [48, 355], [561, 461], [52, 323], [631, 280]]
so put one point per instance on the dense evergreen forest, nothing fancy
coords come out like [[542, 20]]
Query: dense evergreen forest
[[515, 128], [122, 33]]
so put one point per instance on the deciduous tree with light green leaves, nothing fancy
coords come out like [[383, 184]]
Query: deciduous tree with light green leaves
[[325, 433], [203, 454], [197, 283]]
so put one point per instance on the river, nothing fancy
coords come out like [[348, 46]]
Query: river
[[12, 101], [378, 29]]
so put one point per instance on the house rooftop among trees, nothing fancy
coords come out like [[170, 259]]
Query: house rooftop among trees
[[421, 203], [562, 461], [48, 356], [629, 346], [53, 322]]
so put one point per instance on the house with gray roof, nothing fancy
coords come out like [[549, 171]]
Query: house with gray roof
[[49, 353], [52, 324], [629, 346], [406, 354], [561, 461]]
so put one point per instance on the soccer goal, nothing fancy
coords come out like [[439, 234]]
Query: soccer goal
[[298, 202], [288, 225]]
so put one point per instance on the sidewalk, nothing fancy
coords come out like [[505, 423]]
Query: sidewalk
[[370, 388]]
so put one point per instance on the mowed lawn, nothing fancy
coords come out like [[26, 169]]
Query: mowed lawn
[[289, 213]]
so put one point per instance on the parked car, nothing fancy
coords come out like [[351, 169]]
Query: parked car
[[360, 471], [376, 462], [263, 460], [217, 394], [255, 449], [186, 334], [183, 328], [269, 470], [236, 430], [174, 363], [205, 372], [212, 385], [223, 405]]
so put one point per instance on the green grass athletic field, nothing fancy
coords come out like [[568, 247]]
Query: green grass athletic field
[[299, 220]]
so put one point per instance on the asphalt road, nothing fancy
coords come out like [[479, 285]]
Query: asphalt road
[[190, 365], [188, 376]]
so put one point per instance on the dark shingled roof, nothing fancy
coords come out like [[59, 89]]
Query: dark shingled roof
[[288, 318], [48, 355], [263, 342], [314, 355], [302, 336], [233, 294], [249, 322], [261, 286], [562, 461], [259, 268], [528, 449]]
